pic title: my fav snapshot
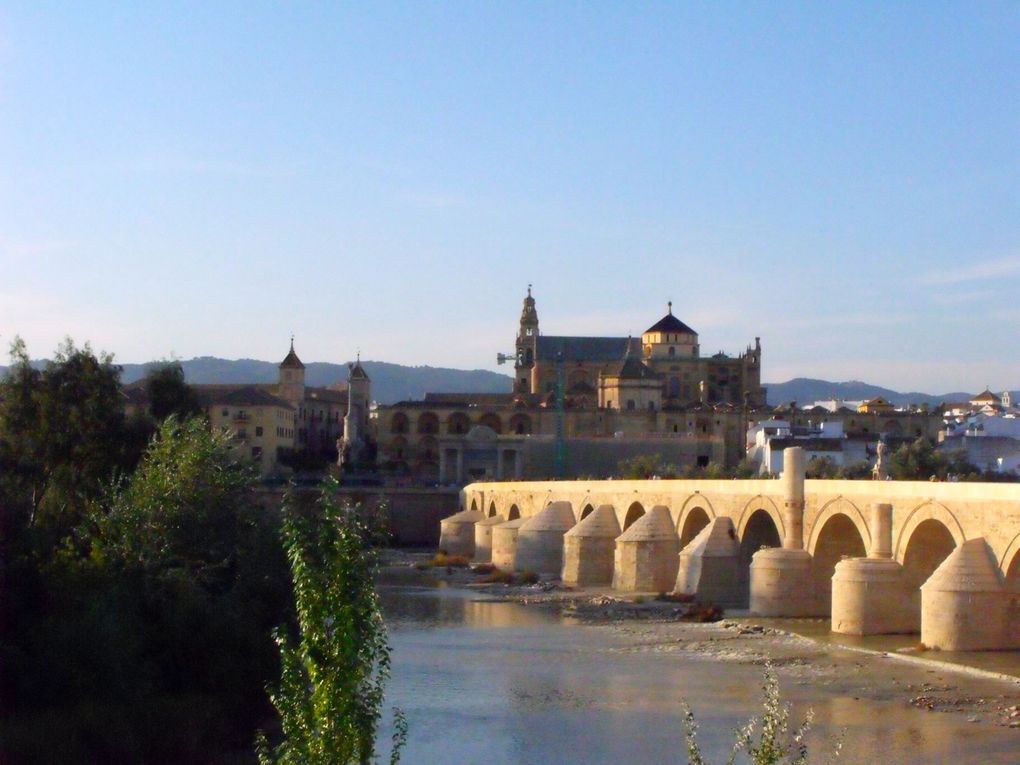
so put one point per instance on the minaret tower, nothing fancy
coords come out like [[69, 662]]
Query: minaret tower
[[527, 345]]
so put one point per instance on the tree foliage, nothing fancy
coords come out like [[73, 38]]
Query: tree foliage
[[62, 438], [331, 686], [920, 461]]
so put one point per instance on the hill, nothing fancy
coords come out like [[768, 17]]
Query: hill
[[390, 382], [804, 390], [396, 382]]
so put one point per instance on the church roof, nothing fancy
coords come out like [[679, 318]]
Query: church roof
[[291, 361], [584, 348], [632, 368], [986, 395], [670, 323], [357, 372]]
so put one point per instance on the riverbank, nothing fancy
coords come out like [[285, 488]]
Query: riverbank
[[895, 673]]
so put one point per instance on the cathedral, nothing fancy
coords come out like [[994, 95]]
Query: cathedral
[[578, 406], [664, 369]]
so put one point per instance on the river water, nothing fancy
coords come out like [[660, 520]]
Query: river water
[[508, 684]]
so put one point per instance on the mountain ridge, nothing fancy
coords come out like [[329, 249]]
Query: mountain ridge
[[393, 382]]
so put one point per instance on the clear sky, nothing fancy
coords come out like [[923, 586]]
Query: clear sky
[[205, 179]]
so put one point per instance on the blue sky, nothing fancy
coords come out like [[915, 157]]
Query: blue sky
[[207, 178]]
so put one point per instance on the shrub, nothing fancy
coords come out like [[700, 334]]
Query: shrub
[[483, 568], [445, 560], [774, 745], [529, 577]]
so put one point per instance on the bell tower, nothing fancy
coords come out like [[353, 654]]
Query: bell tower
[[291, 381], [527, 345]]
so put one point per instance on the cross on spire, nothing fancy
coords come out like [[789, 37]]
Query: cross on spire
[[669, 306]]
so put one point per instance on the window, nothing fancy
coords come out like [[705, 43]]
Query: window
[[529, 331], [630, 403], [256, 452], [242, 433], [258, 431], [672, 351], [226, 412]]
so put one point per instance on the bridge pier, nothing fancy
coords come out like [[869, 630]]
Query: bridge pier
[[504, 544], [646, 554], [780, 577], [457, 533], [870, 596], [589, 549], [540, 540], [483, 537], [965, 605], [709, 567]]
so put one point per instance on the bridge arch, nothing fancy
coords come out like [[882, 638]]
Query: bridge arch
[[765, 505], [635, 511], [929, 510], [1010, 565], [757, 529], [514, 513], [929, 536], [695, 519], [587, 508], [474, 505], [492, 509], [839, 506], [838, 532]]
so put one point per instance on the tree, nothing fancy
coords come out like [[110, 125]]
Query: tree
[[169, 394], [920, 461], [822, 467], [643, 466], [154, 640], [61, 438], [332, 678]]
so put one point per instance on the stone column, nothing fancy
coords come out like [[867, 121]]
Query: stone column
[[443, 467], [881, 531], [869, 595], [460, 465], [794, 470], [781, 583]]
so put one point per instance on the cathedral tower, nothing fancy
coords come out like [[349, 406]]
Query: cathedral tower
[[527, 345]]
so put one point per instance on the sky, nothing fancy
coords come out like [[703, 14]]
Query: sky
[[840, 179]]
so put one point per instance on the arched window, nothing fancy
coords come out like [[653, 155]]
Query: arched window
[[630, 403], [672, 351]]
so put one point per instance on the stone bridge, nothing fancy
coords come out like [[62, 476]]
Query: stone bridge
[[877, 556]]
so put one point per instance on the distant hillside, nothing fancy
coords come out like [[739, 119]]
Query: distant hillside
[[804, 390], [390, 382], [395, 382]]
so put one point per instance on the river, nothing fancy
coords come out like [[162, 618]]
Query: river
[[511, 684]]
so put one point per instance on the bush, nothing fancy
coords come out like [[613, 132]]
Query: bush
[[529, 577], [497, 576], [774, 746]]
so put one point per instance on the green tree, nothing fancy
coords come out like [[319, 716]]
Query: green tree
[[61, 441], [331, 686], [921, 461], [155, 644], [643, 466], [822, 467], [169, 394]]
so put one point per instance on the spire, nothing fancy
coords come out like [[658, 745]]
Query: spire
[[291, 361], [669, 307]]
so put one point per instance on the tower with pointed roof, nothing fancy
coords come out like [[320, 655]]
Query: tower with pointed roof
[[527, 345], [669, 338], [359, 396], [292, 378]]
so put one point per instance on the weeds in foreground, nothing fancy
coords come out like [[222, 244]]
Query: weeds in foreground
[[445, 560], [774, 744]]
